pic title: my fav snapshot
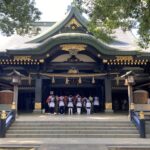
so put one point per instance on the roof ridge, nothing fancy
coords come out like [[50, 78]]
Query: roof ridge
[[58, 25]]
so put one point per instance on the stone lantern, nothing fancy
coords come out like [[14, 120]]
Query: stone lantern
[[16, 81], [129, 82]]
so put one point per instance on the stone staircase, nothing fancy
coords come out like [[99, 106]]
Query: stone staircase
[[72, 129], [147, 129]]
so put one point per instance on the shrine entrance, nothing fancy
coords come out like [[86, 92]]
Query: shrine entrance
[[84, 90], [120, 101]]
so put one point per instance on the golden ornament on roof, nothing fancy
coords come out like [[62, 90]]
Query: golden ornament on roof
[[73, 71], [73, 21], [77, 47]]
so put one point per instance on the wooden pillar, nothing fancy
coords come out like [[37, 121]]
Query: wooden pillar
[[108, 95], [38, 95]]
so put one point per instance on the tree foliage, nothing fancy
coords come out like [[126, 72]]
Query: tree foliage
[[78, 4], [107, 15], [17, 15]]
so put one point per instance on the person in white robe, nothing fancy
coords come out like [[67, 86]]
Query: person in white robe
[[61, 105], [51, 104], [88, 107], [79, 105], [70, 105], [96, 104]]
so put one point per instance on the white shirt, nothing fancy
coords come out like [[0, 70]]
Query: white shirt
[[61, 97], [96, 101], [52, 104], [70, 103], [79, 104], [61, 103], [88, 104]]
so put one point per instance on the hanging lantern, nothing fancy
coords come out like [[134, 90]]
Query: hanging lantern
[[80, 80], [53, 80], [93, 80], [67, 81]]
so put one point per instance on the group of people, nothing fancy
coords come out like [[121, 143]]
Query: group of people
[[70, 104]]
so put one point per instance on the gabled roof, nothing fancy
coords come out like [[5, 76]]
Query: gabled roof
[[124, 44], [74, 12], [67, 38]]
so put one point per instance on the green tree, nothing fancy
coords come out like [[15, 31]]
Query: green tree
[[78, 4], [107, 15], [17, 15]]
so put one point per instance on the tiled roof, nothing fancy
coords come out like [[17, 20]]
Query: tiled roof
[[124, 41]]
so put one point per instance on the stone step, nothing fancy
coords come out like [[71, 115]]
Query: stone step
[[73, 121], [130, 147], [147, 127], [147, 124], [70, 128], [148, 135], [72, 132], [72, 135], [71, 124]]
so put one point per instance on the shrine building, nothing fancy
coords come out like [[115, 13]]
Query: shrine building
[[67, 59]]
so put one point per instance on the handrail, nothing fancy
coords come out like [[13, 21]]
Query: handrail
[[5, 122], [135, 119], [139, 123], [10, 119]]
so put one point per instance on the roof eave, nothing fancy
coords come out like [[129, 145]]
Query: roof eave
[[74, 38]]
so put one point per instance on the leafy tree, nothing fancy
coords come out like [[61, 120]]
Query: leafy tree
[[78, 4], [17, 15], [107, 15]]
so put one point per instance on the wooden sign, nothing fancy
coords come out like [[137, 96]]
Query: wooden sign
[[76, 47], [125, 58], [22, 57]]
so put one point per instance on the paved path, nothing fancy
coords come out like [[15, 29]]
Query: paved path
[[76, 143]]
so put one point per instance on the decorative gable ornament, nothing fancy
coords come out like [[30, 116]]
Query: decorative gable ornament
[[73, 24]]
